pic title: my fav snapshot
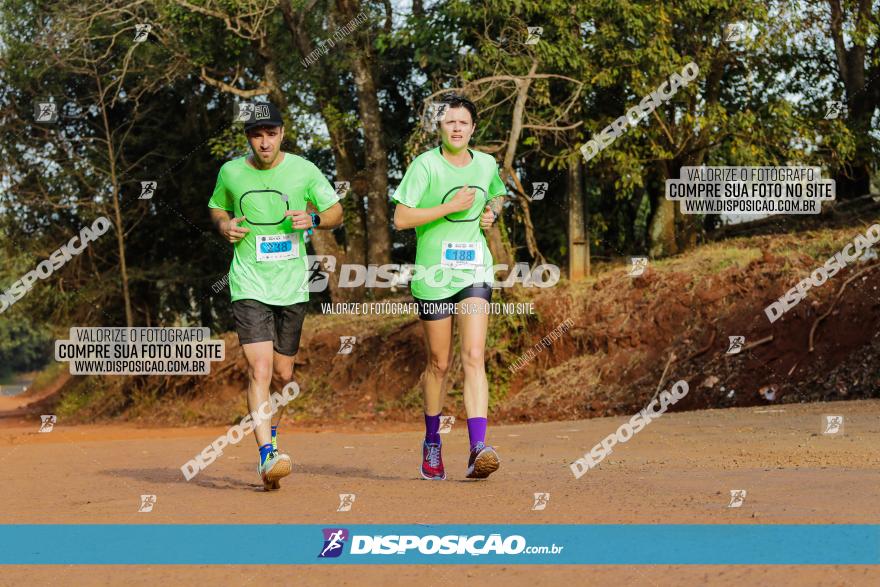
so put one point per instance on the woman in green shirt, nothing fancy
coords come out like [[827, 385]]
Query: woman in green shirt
[[450, 194]]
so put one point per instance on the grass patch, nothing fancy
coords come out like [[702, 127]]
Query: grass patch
[[49, 374], [79, 398], [717, 258], [411, 400]]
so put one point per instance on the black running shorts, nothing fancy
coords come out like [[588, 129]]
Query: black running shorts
[[259, 322], [443, 308]]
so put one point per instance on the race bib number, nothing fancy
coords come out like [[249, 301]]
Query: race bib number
[[461, 255], [277, 247]]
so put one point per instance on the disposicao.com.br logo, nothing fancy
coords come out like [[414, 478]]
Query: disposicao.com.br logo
[[431, 544]]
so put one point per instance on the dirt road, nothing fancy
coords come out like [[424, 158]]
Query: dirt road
[[680, 469]]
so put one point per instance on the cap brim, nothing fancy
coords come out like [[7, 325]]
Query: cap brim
[[252, 125]]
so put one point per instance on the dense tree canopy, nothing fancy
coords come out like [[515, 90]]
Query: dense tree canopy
[[355, 79]]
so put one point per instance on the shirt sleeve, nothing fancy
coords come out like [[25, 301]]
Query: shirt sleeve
[[414, 185], [320, 193], [221, 198], [496, 186]]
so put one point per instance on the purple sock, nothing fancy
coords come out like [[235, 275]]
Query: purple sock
[[477, 430], [432, 425]]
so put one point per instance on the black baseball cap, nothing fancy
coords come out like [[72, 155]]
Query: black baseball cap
[[263, 114]]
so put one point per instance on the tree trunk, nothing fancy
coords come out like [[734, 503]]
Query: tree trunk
[[362, 64], [578, 243], [325, 88], [853, 177], [661, 231], [117, 213], [499, 246], [661, 228], [120, 242]]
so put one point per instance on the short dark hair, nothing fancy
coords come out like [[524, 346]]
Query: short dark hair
[[459, 101]]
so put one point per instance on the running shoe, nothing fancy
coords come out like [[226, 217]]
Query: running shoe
[[276, 466], [432, 462], [483, 462]]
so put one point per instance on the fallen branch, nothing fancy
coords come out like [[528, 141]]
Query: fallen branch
[[837, 299], [663, 376], [752, 345], [708, 345]]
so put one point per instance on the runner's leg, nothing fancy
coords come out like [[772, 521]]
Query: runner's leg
[[288, 331], [473, 325], [435, 379], [438, 344], [282, 374], [259, 359]]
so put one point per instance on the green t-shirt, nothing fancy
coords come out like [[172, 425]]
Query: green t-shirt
[[451, 248], [269, 263]]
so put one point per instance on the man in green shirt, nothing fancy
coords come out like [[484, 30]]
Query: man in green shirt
[[259, 205], [450, 195]]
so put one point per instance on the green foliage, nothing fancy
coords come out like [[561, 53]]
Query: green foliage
[[24, 346], [760, 101]]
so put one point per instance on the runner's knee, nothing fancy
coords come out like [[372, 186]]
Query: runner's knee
[[473, 358], [438, 365], [283, 372], [261, 372]]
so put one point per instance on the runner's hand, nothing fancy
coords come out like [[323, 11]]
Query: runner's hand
[[232, 232], [487, 219], [300, 219], [463, 199]]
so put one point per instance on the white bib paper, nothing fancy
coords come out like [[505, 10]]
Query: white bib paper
[[459, 255], [277, 247]]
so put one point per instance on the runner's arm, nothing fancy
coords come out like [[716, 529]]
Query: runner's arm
[[331, 217], [327, 220], [496, 204], [227, 226], [406, 217], [491, 213], [219, 217]]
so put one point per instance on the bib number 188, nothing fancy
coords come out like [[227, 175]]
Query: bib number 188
[[461, 254]]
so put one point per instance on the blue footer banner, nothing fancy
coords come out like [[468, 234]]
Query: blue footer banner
[[528, 544]]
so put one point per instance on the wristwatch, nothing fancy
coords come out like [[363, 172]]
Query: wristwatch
[[316, 220]]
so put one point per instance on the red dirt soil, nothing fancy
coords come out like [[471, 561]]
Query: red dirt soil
[[623, 332], [678, 470]]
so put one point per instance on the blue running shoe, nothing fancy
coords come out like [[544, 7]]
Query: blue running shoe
[[275, 466]]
